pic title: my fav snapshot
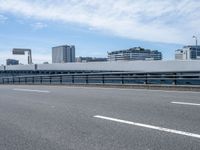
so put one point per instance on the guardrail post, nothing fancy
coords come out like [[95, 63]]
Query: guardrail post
[[33, 80], [40, 79], [86, 79], [61, 81], [175, 79], [73, 79], [146, 79], [122, 79], [103, 79], [50, 80]]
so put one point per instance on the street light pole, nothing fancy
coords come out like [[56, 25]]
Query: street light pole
[[194, 37]]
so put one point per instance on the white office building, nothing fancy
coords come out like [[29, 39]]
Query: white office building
[[189, 52], [63, 54], [136, 53]]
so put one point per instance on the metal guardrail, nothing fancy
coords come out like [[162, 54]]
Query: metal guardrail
[[107, 78]]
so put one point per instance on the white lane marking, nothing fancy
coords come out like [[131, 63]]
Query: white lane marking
[[168, 91], [132, 89], [184, 103], [29, 90], [150, 127]]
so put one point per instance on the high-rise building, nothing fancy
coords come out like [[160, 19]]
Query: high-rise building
[[63, 54], [12, 62], [136, 53], [190, 52]]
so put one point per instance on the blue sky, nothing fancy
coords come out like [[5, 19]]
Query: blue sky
[[96, 26]]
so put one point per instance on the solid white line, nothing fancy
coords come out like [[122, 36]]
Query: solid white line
[[184, 103], [168, 91], [133, 89], [150, 127], [29, 90]]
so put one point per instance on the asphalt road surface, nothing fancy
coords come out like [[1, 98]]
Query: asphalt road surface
[[82, 118]]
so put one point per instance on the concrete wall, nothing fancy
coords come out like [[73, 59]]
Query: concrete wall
[[20, 67], [135, 66]]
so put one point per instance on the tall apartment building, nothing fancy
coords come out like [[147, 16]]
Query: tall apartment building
[[136, 53], [63, 54], [189, 52]]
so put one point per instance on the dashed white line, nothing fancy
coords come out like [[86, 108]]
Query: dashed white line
[[29, 90], [150, 127], [185, 103]]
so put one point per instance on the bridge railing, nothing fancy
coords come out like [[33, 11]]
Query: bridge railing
[[107, 78]]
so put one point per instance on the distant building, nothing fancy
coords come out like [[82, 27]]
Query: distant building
[[136, 53], [63, 54], [181, 54], [12, 62], [189, 52], [90, 59]]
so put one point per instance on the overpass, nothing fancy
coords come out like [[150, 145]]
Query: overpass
[[120, 72]]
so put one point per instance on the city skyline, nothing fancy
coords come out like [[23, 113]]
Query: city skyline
[[96, 27]]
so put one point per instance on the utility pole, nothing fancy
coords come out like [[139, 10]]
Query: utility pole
[[195, 37], [29, 57]]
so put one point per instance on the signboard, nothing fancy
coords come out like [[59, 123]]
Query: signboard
[[18, 51], [21, 51]]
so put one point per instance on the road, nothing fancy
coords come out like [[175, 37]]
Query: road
[[83, 118]]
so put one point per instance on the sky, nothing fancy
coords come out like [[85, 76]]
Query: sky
[[96, 26]]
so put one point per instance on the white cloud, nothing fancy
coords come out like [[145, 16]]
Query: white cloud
[[39, 25], [3, 18], [151, 20]]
